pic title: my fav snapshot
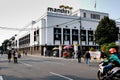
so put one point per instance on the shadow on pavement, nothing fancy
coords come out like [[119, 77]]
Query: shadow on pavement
[[60, 78], [47, 78]]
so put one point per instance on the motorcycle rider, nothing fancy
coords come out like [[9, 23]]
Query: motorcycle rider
[[113, 60]]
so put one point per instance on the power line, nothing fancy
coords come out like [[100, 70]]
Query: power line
[[27, 29], [59, 24], [31, 23], [17, 29], [8, 28]]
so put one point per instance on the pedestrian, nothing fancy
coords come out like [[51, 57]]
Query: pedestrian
[[73, 54], [23, 53], [88, 57], [79, 55], [15, 57], [9, 56], [1, 52], [26, 53]]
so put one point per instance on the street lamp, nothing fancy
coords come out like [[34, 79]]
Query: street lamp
[[80, 35]]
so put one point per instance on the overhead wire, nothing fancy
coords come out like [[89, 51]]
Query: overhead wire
[[59, 24], [26, 29], [42, 17], [17, 29]]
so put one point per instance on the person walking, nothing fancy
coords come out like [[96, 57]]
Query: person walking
[[79, 56], [9, 56], [87, 56], [23, 53], [15, 57]]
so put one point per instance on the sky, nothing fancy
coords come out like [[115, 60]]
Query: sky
[[19, 13]]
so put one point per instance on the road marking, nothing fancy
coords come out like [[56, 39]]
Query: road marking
[[61, 76], [1, 78], [25, 64], [56, 63]]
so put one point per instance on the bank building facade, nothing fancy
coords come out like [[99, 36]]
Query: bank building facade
[[60, 27]]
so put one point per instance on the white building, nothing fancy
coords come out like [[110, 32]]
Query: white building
[[61, 27]]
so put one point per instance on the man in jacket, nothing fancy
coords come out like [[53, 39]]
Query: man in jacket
[[113, 60]]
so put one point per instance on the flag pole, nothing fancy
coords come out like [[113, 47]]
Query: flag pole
[[95, 5]]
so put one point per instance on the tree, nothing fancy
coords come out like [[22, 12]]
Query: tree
[[5, 44], [106, 31], [103, 47], [92, 49]]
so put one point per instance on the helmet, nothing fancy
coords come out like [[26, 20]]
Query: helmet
[[112, 50]]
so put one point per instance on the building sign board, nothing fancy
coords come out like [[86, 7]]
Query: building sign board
[[58, 10]]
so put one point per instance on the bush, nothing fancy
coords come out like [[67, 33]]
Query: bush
[[92, 49]]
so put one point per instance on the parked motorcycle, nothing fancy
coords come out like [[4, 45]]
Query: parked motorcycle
[[113, 74]]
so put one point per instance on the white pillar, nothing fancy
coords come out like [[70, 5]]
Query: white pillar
[[75, 50], [60, 50], [44, 49]]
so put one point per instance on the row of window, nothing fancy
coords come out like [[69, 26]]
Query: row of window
[[75, 35], [93, 16], [24, 40], [58, 35]]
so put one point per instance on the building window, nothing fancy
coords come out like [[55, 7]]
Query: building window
[[24, 40], [95, 16], [36, 35], [83, 35], [75, 35], [57, 33], [66, 34], [90, 35], [37, 31], [35, 38], [84, 15], [83, 38]]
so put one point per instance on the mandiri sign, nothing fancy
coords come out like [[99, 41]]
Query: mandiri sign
[[58, 10]]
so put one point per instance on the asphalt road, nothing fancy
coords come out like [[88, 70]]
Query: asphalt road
[[46, 68]]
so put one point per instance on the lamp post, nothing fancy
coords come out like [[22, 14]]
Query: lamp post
[[80, 35]]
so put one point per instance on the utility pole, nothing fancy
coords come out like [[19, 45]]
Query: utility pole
[[80, 36]]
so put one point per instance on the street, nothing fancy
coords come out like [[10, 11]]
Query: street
[[46, 68]]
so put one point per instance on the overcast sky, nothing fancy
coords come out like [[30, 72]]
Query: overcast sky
[[18, 13]]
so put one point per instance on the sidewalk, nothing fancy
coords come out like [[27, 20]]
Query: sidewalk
[[92, 62]]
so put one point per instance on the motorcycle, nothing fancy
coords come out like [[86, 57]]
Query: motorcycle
[[113, 74]]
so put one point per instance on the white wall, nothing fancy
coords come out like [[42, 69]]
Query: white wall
[[47, 23], [58, 19]]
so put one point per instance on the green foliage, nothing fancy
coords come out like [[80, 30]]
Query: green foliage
[[106, 31], [1, 48], [4, 44], [103, 47], [92, 49]]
